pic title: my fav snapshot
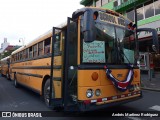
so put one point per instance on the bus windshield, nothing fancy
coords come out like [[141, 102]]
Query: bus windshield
[[113, 45]]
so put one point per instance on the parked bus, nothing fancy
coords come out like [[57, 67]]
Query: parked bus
[[0, 67], [88, 64], [5, 67]]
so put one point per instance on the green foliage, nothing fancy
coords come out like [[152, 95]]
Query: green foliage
[[5, 54]]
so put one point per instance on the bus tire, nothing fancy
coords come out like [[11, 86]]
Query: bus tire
[[46, 91], [15, 82]]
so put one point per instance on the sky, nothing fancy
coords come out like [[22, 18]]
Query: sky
[[25, 20]]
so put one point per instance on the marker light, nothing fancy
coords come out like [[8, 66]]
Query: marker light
[[94, 76]]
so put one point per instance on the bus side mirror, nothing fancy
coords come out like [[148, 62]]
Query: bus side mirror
[[89, 26]]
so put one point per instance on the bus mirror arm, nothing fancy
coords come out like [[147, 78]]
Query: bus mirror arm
[[89, 26], [155, 45]]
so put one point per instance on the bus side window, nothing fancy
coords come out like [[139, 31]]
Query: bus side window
[[40, 48], [17, 56], [35, 50], [30, 52], [12, 59], [26, 54], [21, 55], [47, 44]]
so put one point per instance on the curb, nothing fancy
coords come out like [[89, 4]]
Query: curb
[[151, 89]]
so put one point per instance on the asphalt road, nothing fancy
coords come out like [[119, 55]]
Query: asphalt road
[[22, 99]]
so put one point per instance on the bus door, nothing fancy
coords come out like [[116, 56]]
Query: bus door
[[63, 92], [70, 66], [55, 97]]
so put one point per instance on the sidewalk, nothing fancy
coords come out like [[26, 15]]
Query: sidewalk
[[153, 84]]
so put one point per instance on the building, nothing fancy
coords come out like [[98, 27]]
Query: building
[[4, 45], [6, 48], [148, 16]]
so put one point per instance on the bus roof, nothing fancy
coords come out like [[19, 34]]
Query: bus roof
[[38, 39], [4, 59]]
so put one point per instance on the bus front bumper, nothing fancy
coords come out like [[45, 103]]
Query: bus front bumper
[[96, 106]]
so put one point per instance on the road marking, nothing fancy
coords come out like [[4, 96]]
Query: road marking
[[156, 107], [134, 118]]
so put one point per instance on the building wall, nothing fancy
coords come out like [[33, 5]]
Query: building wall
[[4, 45]]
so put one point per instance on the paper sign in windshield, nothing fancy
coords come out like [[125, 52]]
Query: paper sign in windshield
[[94, 52]]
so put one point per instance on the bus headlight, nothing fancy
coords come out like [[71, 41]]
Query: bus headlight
[[98, 92], [89, 93]]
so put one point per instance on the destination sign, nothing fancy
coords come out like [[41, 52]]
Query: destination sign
[[111, 19]]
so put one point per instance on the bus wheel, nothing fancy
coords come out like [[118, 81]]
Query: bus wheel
[[15, 82], [46, 91]]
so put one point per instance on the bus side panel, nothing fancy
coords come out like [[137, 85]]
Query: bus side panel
[[58, 60], [4, 69], [57, 88], [33, 77]]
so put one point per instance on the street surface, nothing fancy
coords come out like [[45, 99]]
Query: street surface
[[22, 99]]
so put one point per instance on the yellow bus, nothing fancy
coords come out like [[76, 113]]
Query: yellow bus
[[0, 67], [5, 67], [87, 64]]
